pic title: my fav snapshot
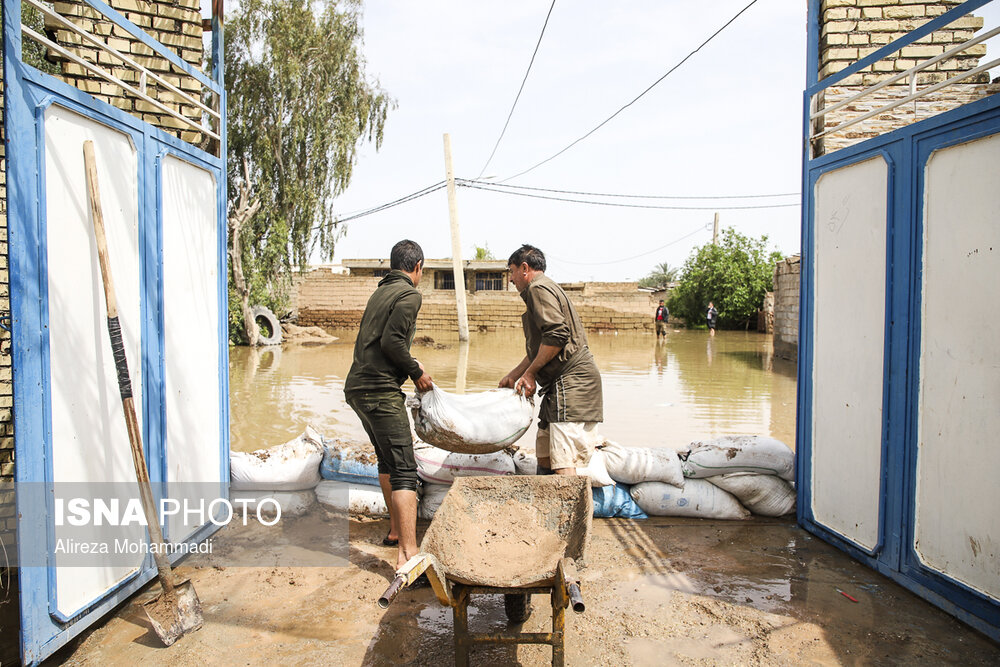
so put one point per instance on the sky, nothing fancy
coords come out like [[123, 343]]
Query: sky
[[727, 122]]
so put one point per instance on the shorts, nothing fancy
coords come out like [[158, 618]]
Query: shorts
[[661, 327], [383, 414], [567, 444]]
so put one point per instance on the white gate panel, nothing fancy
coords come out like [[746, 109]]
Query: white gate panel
[[849, 325], [192, 325], [89, 440], [957, 527]]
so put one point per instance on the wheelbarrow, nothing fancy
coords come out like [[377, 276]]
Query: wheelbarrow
[[505, 535]]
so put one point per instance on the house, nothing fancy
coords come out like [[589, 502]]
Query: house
[[481, 275]]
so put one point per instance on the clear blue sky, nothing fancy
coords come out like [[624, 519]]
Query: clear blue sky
[[728, 122]]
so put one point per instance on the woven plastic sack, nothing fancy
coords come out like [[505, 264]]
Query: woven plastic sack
[[471, 423], [739, 453], [439, 466], [698, 498], [615, 501], [766, 495], [293, 466], [633, 465]]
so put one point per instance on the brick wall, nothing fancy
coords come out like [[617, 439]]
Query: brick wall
[[335, 301], [174, 23], [852, 29], [786, 308]]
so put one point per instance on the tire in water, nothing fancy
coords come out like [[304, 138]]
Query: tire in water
[[270, 328]]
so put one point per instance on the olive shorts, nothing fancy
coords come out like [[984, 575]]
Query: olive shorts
[[383, 414]]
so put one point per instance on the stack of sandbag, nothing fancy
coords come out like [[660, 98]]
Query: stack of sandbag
[[285, 475], [615, 501], [438, 468], [352, 498], [480, 423], [526, 463], [723, 479], [350, 479]]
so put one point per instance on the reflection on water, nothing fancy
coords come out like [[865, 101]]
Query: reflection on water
[[656, 393]]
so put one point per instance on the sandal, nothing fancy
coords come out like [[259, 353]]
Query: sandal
[[388, 542]]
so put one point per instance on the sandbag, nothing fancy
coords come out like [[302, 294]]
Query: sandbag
[[431, 497], [525, 462], [360, 499], [615, 501], [471, 423], [739, 453], [632, 465], [698, 498], [438, 466], [266, 504], [293, 466], [766, 495], [349, 463]]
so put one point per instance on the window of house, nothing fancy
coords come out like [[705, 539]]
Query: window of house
[[444, 280], [489, 281]]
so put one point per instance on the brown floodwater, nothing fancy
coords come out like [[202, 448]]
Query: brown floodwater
[[656, 393]]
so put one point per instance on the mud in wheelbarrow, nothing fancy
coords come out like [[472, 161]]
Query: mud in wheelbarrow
[[515, 536]]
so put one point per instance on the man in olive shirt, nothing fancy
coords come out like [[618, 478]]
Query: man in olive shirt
[[559, 360], [382, 362]]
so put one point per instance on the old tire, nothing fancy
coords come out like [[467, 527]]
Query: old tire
[[270, 328], [517, 606]]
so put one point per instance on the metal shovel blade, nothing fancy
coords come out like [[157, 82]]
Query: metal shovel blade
[[175, 613]]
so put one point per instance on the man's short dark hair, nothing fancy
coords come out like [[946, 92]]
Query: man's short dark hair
[[661, 300], [530, 255], [406, 255]]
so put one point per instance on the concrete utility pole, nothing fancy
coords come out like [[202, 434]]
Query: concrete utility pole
[[715, 229], [456, 244]]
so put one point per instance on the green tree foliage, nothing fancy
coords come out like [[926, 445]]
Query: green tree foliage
[[661, 274], [483, 252], [734, 275], [300, 105]]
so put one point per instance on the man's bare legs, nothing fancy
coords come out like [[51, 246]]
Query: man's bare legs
[[404, 515]]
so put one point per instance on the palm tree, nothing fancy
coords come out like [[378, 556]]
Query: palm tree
[[661, 274]]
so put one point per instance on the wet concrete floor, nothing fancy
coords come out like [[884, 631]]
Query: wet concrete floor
[[656, 393], [659, 592]]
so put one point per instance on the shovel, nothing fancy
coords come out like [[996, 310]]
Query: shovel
[[176, 610]]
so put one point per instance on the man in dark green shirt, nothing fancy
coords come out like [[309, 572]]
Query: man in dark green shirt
[[382, 362], [559, 360]]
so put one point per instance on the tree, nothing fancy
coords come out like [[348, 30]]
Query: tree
[[300, 105], [483, 252], [661, 274], [734, 275]]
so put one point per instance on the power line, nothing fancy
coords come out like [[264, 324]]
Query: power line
[[381, 207], [626, 196], [636, 99], [481, 186], [701, 228], [518, 96]]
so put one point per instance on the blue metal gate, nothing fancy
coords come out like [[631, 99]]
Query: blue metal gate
[[894, 383], [170, 195]]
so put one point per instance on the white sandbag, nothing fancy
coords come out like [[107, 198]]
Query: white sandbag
[[438, 466], [431, 497], [698, 498], [766, 495], [633, 465], [525, 462], [293, 466], [597, 471], [471, 423], [739, 453], [349, 497], [267, 504]]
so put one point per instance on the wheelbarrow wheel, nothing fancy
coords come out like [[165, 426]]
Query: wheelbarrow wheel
[[517, 606]]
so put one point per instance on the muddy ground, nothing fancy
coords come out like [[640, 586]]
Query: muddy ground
[[661, 591]]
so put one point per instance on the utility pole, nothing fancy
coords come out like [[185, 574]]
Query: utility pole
[[456, 244], [715, 229]]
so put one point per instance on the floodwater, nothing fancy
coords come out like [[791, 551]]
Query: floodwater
[[664, 393]]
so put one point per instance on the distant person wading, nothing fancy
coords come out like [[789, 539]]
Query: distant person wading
[[661, 317]]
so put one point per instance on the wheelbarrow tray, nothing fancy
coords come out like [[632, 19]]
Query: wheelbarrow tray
[[510, 531]]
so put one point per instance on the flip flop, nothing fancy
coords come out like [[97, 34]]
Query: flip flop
[[389, 543]]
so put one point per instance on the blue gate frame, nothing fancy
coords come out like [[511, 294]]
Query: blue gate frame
[[27, 93], [906, 151]]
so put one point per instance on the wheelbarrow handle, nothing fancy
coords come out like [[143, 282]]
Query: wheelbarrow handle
[[405, 576], [391, 592], [571, 582]]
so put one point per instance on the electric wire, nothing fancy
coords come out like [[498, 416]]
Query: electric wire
[[519, 90], [701, 228], [463, 181], [480, 186], [382, 207], [636, 99]]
